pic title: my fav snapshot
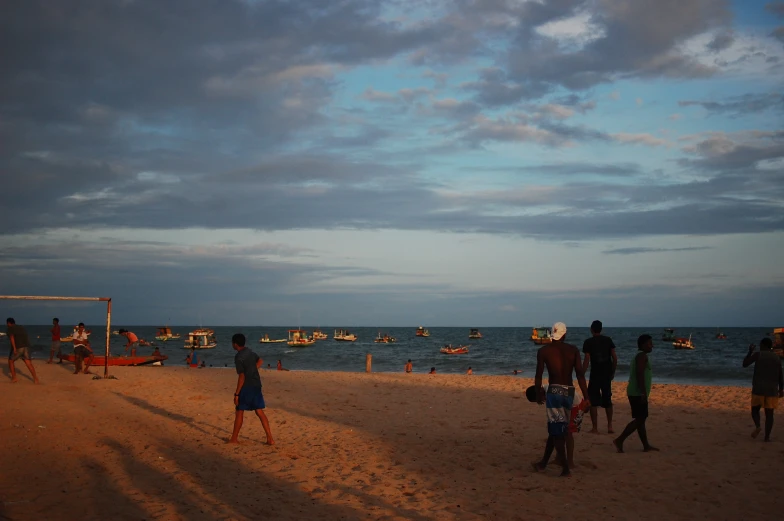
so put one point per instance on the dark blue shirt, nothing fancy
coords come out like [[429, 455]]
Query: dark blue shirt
[[245, 361]]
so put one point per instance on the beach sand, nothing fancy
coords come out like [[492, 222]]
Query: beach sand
[[151, 445]]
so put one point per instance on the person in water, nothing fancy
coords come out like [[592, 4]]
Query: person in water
[[248, 395], [432, 370], [638, 391], [470, 371], [561, 360], [409, 366], [767, 384]]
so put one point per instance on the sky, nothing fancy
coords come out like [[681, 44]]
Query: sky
[[394, 163]]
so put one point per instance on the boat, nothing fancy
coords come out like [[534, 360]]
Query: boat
[[778, 341], [385, 339], [319, 335], [720, 335], [421, 331], [165, 334], [99, 361], [299, 338], [683, 343], [343, 335], [541, 335], [451, 350], [267, 340], [668, 335], [474, 333], [201, 338]]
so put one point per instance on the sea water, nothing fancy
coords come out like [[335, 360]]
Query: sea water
[[499, 352]]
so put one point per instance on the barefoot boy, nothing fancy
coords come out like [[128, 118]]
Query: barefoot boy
[[767, 385], [248, 395], [638, 390]]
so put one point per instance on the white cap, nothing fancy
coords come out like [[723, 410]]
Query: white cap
[[559, 330]]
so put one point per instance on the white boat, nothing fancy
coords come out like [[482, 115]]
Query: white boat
[[683, 343], [201, 339], [319, 335], [343, 335], [299, 338], [385, 339], [267, 340], [474, 333]]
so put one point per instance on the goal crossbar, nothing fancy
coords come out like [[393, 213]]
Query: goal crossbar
[[108, 301]]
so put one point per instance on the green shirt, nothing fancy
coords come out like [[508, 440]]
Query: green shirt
[[633, 389], [19, 334]]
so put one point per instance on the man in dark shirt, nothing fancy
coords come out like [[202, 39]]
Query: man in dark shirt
[[600, 357], [767, 385], [248, 396], [20, 348]]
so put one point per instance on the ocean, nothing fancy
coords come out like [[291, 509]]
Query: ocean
[[499, 352]]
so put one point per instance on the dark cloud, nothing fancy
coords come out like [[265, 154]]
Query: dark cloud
[[637, 251], [776, 8], [723, 152], [721, 41], [741, 105]]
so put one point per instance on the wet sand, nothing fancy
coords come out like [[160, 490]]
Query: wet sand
[[151, 445]]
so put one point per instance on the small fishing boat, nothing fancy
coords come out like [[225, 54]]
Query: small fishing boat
[[720, 335], [668, 335], [319, 335], [474, 333], [421, 331], [165, 334], [385, 339], [299, 338], [541, 335], [683, 343], [201, 338], [343, 335], [267, 340], [99, 361], [451, 350]]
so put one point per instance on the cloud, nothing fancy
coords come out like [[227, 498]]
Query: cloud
[[719, 151], [637, 251], [721, 41], [740, 105], [640, 139]]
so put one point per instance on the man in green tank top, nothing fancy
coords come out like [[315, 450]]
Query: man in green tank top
[[638, 390], [767, 385]]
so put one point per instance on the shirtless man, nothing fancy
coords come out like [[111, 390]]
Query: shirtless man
[[560, 359], [409, 366]]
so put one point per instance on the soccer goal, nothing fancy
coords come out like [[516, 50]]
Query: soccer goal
[[108, 301]]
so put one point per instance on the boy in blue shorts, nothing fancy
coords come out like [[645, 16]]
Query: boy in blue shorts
[[248, 396]]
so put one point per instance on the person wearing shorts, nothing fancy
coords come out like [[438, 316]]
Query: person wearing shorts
[[20, 349], [248, 395], [638, 390], [602, 361], [55, 330], [767, 386], [82, 351]]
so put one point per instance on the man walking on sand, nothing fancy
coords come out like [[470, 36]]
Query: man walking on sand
[[560, 359], [248, 396], [768, 377], [20, 348], [600, 357], [638, 391]]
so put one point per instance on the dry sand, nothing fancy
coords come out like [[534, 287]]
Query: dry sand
[[151, 445]]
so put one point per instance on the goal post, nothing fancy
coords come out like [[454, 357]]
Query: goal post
[[108, 301]]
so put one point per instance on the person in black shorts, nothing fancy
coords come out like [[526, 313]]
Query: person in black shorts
[[600, 357], [248, 396]]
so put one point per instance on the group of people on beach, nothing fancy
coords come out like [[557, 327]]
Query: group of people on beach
[[565, 404]]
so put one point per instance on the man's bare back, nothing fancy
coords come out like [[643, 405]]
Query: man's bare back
[[561, 359]]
